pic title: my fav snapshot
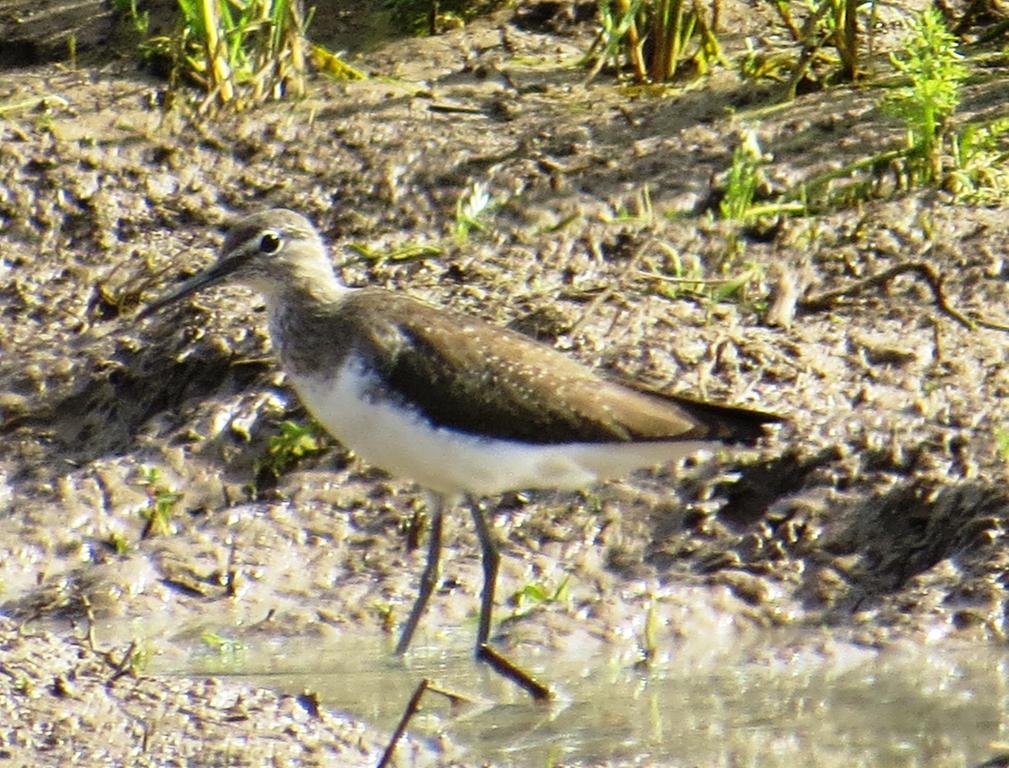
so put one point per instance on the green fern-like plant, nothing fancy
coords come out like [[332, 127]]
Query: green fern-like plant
[[935, 71]]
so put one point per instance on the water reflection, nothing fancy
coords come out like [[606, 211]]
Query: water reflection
[[908, 707]]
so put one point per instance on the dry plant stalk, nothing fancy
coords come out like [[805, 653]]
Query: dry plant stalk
[[218, 70]]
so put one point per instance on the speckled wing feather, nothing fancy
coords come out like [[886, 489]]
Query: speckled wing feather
[[467, 375]]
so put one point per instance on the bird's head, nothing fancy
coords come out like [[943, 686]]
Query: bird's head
[[267, 251]]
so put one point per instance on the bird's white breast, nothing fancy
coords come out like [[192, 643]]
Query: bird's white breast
[[406, 445]]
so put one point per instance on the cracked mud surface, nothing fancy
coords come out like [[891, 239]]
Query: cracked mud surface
[[876, 515]]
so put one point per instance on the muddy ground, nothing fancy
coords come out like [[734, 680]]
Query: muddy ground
[[875, 515]]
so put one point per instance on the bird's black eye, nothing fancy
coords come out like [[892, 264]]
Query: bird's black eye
[[269, 243]]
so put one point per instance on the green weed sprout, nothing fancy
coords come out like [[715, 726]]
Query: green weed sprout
[[743, 177], [472, 210]]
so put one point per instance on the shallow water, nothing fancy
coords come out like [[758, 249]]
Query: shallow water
[[906, 707]]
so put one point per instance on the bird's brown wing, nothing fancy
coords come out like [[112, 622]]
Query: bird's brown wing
[[465, 374]]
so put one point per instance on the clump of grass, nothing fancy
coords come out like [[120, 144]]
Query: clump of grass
[[428, 17], [161, 502], [970, 161], [740, 285], [828, 24], [981, 162], [224, 653], [240, 52], [140, 657], [139, 21], [255, 48], [289, 446], [535, 594], [659, 39], [643, 213], [742, 179], [119, 543], [677, 277]]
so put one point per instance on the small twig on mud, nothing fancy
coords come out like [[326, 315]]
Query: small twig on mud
[[89, 617], [455, 108], [124, 666], [231, 572], [926, 271]]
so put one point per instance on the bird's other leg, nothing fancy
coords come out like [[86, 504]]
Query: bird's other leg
[[484, 652], [491, 559], [429, 578]]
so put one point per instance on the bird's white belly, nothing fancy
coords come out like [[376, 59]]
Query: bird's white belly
[[406, 445]]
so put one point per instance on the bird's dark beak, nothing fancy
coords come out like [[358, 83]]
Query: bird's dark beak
[[207, 277]]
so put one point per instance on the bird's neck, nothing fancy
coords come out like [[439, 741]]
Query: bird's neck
[[299, 310], [308, 285]]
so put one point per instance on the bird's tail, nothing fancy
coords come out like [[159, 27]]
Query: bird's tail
[[725, 422]]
